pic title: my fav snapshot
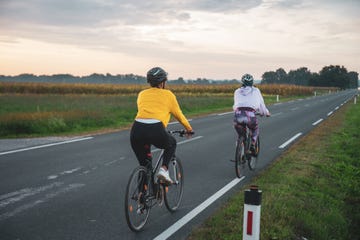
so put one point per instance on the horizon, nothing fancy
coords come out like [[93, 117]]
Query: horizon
[[190, 39]]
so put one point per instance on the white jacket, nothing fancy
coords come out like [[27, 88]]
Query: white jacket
[[250, 97]]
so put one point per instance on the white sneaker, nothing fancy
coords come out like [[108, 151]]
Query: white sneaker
[[163, 176]]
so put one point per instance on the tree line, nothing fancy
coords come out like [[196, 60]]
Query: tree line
[[329, 76], [105, 78]]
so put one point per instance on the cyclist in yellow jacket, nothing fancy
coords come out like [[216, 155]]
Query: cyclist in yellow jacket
[[155, 107]]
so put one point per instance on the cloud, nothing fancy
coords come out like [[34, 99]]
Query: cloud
[[187, 31], [96, 12]]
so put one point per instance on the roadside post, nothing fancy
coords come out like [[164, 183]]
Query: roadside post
[[252, 208]]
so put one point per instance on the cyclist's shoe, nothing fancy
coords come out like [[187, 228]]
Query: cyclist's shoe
[[140, 204], [163, 176]]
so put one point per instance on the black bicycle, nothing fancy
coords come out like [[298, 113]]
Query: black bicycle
[[143, 191], [243, 152]]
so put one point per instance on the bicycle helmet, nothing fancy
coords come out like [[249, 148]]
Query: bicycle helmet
[[155, 76], [247, 80]]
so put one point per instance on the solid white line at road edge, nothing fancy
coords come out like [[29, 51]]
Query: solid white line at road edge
[[290, 140], [176, 226], [46, 145], [317, 122]]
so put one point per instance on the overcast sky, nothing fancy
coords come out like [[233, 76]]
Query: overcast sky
[[214, 39]]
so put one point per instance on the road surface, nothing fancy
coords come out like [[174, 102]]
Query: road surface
[[74, 188]]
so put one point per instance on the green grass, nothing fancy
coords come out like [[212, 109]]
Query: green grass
[[311, 191], [24, 115], [42, 115]]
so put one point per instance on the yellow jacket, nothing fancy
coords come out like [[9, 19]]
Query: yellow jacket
[[158, 103]]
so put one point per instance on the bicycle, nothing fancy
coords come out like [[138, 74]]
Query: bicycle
[[144, 192], [243, 153]]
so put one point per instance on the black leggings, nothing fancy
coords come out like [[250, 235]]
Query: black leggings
[[142, 135]]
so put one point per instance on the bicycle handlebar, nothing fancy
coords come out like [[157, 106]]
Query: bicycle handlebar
[[182, 132], [262, 115]]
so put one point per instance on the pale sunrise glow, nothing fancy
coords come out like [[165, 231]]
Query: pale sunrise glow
[[190, 38]]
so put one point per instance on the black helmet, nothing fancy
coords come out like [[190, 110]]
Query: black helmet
[[247, 80], [155, 76]]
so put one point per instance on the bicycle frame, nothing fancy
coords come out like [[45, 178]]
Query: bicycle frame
[[155, 185], [246, 134]]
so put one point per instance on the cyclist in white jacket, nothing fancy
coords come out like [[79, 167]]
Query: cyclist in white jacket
[[247, 101]]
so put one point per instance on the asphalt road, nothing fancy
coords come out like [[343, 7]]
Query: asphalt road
[[74, 189]]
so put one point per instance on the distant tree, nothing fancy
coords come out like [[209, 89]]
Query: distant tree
[[314, 79], [354, 79], [180, 80], [64, 78], [334, 76], [300, 76], [281, 76], [268, 77]]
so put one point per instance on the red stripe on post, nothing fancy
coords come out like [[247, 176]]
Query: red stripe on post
[[249, 223]]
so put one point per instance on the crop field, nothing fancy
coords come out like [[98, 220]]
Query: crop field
[[38, 109], [126, 89]]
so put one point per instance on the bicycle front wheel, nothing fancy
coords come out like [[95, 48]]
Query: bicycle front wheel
[[239, 156], [252, 162], [174, 192], [136, 210]]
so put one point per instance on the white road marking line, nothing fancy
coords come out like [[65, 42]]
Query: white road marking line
[[317, 122], [337, 108], [290, 140], [16, 196], [51, 177], [330, 113], [70, 171], [276, 114], [185, 141], [109, 163], [295, 108], [190, 140], [184, 220], [176, 122], [46, 145], [43, 200], [225, 113]]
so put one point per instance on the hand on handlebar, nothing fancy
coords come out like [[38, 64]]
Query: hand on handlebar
[[189, 133]]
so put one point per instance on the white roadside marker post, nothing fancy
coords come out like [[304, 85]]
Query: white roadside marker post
[[252, 208]]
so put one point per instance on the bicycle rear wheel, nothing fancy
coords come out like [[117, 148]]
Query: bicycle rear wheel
[[239, 156], [173, 193], [252, 162], [136, 210]]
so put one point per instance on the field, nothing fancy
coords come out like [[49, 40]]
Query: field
[[40, 109]]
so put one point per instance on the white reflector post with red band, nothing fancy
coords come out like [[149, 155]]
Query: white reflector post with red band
[[252, 208]]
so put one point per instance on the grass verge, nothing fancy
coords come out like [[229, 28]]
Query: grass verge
[[312, 191]]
